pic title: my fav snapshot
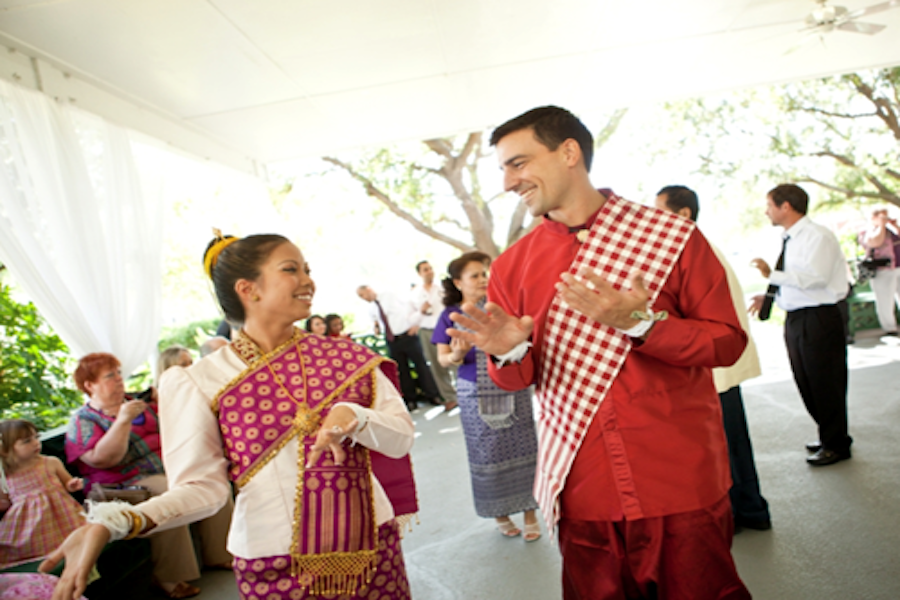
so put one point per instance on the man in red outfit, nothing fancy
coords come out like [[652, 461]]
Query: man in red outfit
[[616, 312]]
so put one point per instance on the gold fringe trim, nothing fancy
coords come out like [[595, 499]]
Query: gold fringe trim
[[335, 572], [405, 523]]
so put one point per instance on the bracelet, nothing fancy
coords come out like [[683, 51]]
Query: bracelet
[[137, 525], [647, 320]]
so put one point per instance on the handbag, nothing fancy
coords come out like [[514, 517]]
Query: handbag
[[132, 494], [867, 267]]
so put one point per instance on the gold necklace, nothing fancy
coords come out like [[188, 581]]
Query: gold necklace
[[306, 419]]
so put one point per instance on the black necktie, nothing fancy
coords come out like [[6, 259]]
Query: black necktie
[[772, 290], [388, 334]]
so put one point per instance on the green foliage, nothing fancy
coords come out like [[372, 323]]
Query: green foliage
[[840, 133], [191, 336], [141, 379], [409, 176], [34, 383]]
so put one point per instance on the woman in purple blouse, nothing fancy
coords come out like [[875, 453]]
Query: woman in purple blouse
[[498, 425]]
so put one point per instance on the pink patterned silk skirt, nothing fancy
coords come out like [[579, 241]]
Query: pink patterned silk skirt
[[270, 578]]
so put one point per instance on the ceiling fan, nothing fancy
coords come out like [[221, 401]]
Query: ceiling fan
[[826, 18]]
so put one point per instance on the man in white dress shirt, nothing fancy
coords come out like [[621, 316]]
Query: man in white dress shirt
[[427, 298], [810, 284], [397, 318]]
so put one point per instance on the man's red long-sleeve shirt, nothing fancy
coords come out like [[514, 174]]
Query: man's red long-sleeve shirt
[[656, 445]]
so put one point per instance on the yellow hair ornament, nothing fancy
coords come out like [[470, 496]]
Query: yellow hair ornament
[[212, 255]]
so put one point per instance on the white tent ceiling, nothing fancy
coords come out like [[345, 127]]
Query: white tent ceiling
[[258, 81]]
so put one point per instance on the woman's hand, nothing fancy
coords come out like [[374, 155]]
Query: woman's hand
[[80, 550], [339, 423], [458, 350], [130, 410]]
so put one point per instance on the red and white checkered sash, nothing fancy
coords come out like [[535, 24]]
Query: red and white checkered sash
[[582, 357]]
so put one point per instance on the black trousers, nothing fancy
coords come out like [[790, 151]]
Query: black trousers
[[817, 350], [747, 501], [405, 349]]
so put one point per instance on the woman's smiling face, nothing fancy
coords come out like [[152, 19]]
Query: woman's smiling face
[[284, 287]]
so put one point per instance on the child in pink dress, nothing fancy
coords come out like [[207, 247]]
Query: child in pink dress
[[35, 490], [33, 586]]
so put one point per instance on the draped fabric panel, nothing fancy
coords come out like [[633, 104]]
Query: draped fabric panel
[[76, 231]]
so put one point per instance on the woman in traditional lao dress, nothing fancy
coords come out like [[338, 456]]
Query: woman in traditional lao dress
[[275, 412], [499, 427]]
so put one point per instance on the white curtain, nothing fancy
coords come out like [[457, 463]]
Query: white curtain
[[76, 232]]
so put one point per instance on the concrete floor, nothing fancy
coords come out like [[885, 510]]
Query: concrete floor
[[835, 529]]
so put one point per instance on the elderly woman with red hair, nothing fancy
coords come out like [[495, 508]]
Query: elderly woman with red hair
[[114, 439]]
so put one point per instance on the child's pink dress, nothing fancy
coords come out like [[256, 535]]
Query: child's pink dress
[[30, 586], [42, 515]]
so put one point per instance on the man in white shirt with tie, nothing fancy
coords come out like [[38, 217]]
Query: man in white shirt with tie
[[810, 285], [427, 297], [396, 317]]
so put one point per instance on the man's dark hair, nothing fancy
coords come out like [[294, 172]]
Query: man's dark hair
[[552, 126], [419, 264], [794, 195], [678, 197]]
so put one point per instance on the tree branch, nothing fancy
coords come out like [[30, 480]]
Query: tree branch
[[479, 214], [472, 142], [516, 228], [612, 124], [452, 221], [828, 113], [426, 169], [884, 191], [844, 160], [441, 146], [373, 191], [883, 108], [892, 198], [494, 197]]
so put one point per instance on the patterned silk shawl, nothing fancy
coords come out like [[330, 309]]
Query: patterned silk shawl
[[582, 357], [334, 528]]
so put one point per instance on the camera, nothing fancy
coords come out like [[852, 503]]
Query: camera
[[146, 395]]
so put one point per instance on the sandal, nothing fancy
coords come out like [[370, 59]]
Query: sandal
[[182, 589], [508, 528], [532, 532]]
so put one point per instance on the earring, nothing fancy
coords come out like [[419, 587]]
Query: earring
[[255, 298]]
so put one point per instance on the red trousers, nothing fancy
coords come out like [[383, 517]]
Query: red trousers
[[685, 556]]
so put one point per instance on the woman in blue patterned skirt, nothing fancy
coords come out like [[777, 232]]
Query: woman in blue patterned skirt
[[498, 425]]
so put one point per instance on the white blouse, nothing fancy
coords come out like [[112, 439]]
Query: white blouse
[[196, 467]]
